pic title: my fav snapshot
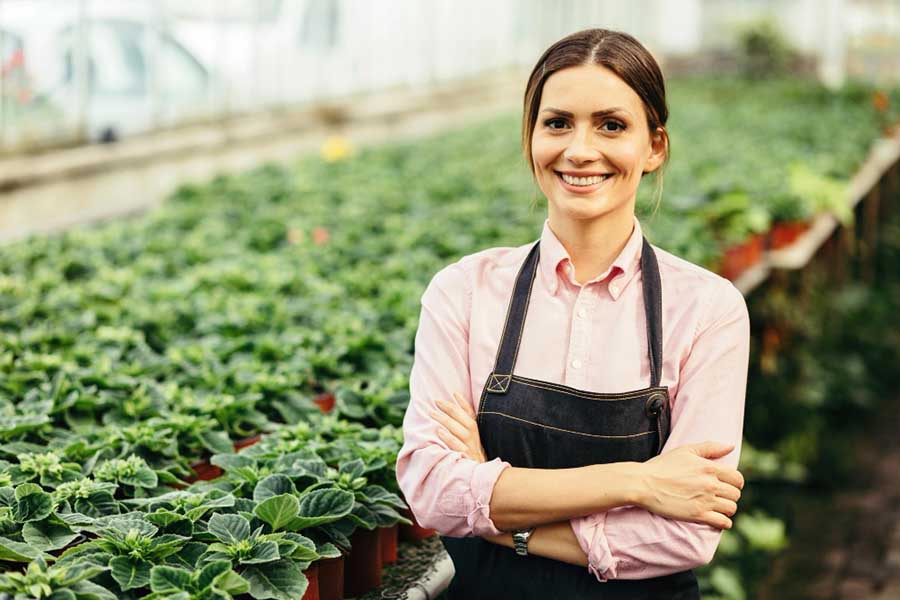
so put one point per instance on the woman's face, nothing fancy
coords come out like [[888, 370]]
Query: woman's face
[[569, 139]]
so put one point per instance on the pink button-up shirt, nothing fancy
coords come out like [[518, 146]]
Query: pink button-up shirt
[[592, 337]]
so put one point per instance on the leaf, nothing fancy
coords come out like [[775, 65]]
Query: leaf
[[32, 503], [231, 583], [231, 462], [130, 573], [322, 506], [328, 550], [305, 548], [355, 468], [165, 579], [46, 535], [14, 551], [262, 552], [217, 442], [88, 590], [229, 529], [273, 485], [282, 580], [278, 511], [144, 477], [189, 555], [209, 573]]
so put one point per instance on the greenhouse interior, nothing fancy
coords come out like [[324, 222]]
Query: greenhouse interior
[[222, 223]]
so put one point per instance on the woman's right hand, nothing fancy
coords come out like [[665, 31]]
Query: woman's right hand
[[687, 485]]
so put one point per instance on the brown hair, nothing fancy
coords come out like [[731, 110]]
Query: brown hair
[[620, 53]]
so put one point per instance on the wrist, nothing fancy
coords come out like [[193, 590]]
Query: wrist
[[622, 484]]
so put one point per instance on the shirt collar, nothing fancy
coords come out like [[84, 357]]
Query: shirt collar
[[555, 260]]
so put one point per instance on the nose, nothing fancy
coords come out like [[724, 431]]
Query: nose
[[581, 148]]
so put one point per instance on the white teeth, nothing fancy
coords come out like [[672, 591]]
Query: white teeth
[[583, 181]]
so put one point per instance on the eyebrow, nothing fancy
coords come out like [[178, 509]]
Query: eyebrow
[[595, 114]]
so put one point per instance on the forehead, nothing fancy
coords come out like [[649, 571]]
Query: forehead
[[587, 88]]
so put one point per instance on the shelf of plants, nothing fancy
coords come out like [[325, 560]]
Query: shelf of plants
[[140, 361]]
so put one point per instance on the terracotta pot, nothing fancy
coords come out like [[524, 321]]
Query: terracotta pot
[[783, 233], [248, 441], [740, 257], [414, 532], [312, 575], [331, 578], [362, 567], [325, 401], [204, 472], [389, 543]]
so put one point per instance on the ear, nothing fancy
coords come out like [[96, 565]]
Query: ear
[[659, 148]]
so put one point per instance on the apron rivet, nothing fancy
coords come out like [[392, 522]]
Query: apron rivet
[[654, 404]]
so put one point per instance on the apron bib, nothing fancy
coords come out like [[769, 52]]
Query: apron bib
[[543, 425]]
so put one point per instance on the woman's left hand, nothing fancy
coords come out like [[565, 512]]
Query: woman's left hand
[[460, 429]]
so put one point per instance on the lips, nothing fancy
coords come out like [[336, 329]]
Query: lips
[[580, 189]]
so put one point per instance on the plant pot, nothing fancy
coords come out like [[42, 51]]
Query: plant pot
[[414, 532], [312, 575], [325, 401], [783, 233], [331, 578], [740, 257], [204, 472], [389, 544], [248, 441], [362, 567]]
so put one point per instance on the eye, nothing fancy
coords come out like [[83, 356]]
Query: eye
[[549, 121], [617, 124]]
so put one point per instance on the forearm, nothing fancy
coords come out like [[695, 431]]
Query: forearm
[[551, 540], [527, 497]]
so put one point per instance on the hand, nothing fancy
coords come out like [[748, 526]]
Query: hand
[[685, 484], [460, 430]]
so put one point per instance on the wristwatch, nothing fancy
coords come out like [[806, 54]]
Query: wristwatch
[[520, 540]]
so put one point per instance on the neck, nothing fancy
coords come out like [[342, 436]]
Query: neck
[[592, 244]]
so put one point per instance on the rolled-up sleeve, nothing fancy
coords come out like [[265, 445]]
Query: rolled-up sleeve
[[630, 542], [445, 490]]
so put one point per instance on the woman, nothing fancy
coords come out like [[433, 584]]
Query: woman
[[600, 431]]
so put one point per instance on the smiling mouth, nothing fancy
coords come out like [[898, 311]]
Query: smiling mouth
[[577, 187]]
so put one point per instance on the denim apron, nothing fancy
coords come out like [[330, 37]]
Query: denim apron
[[544, 425]]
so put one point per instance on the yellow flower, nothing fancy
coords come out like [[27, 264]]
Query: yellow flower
[[335, 148]]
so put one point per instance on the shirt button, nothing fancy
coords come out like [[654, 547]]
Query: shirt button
[[581, 313], [576, 363]]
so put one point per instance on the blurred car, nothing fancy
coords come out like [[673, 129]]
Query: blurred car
[[108, 69]]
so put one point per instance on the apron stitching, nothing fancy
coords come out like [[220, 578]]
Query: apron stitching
[[596, 435], [583, 394]]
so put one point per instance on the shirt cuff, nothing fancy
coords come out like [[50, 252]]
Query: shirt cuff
[[591, 536], [484, 476]]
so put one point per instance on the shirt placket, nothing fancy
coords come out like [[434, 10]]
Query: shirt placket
[[579, 338]]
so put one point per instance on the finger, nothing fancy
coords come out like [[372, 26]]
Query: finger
[[465, 404], [725, 506], [454, 426], [451, 441], [717, 519], [457, 412], [731, 477], [728, 491], [712, 449]]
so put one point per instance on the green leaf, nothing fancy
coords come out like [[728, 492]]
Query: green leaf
[[232, 462], [217, 442], [355, 468], [278, 511], [130, 573], [14, 551], [305, 549], [32, 503], [209, 573], [273, 485], [46, 535], [231, 583], [282, 580], [169, 579], [262, 552], [229, 529], [322, 506], [144, 477]]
